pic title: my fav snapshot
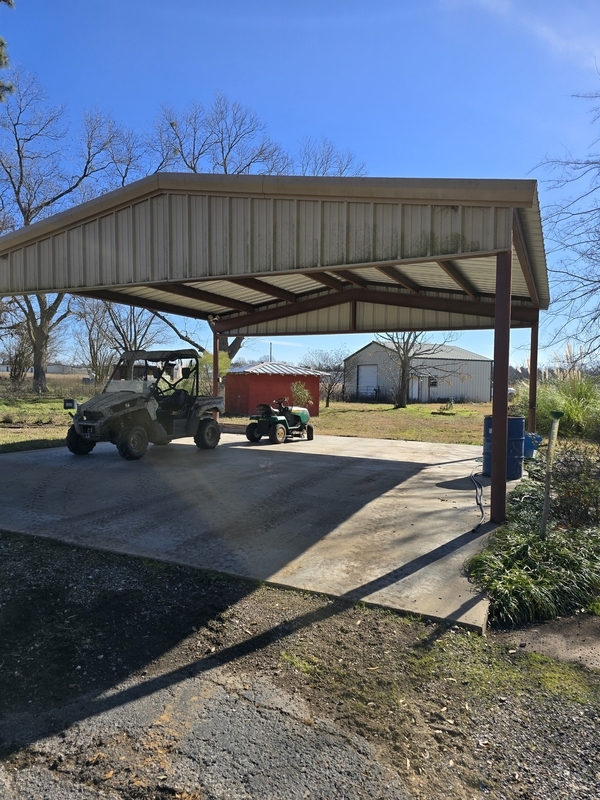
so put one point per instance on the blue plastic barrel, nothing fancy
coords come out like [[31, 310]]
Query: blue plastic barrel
[[515, 449], [532, 442]]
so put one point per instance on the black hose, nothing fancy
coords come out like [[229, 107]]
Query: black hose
[[478, 498]]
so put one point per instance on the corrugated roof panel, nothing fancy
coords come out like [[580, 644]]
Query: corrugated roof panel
[[154, 293], [375, 318], [274, 368], [322, 321], [191, 227]]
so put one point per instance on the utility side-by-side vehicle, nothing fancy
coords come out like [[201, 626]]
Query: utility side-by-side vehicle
[[151, 396]]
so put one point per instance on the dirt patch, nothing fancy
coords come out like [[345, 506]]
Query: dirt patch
[[575, 639], [85, 636]]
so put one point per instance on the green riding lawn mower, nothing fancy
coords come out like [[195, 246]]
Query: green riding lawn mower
[[279, 423]]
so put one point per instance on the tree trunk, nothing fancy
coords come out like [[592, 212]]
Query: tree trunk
[[40, 359], [231, 348]]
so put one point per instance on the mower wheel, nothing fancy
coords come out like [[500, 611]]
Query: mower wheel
[[310, 433], [77, 444], [132, 442], [277, 434], [252, 433], [208, 434]]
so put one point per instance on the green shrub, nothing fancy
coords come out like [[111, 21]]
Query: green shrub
[[574, 393], [528, 578], [301, 395]]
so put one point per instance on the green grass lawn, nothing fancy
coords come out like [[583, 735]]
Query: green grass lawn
[[31, 423], [416, 423]]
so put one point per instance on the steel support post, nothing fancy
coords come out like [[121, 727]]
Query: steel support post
[[500, 398], [533, 370], [215, 370]]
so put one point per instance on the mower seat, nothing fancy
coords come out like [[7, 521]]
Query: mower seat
[[265, 410]]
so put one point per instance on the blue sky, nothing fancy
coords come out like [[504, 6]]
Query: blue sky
[[416, 88]]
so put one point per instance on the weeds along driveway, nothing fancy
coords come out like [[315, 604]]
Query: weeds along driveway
[[383, 521]]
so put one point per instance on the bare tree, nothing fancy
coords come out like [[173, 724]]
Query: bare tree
[[130, 328], [240, 144], [41, 173], [5, 88], [404, 350], [331, 364], [322, 157], [181, 139], [17, 353], [191, 337], [572, 225], [91, 333]]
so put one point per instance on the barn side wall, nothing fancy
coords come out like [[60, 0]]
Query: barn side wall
[[243, 392]]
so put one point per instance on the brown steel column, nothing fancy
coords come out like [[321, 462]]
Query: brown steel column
[[500, 398], [215, 370], [533, 370]]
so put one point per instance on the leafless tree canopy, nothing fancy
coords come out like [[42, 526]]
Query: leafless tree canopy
[[331, 364], [46, 166], [5, 87], [403, 349], [322, 157], [573, 229]]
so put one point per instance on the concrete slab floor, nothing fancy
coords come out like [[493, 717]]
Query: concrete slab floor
[[385, 522]]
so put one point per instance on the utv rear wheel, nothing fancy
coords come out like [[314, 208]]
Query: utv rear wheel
[[252, 433], [77, 445], [132, 442], [208, 434], [310, 433], [277, 433]]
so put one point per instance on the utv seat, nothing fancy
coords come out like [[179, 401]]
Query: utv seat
[[176, 404]]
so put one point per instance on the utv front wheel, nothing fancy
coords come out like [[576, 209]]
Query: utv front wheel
[[252, 433], [208, 434], [277, 434], [77, 445], [132, 442]]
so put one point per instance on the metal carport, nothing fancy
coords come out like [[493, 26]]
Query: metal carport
[[265, 255]]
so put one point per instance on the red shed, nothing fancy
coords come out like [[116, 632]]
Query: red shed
[[246, 387]]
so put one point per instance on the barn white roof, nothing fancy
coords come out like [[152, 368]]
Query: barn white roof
[[274, 368], [262, 255]]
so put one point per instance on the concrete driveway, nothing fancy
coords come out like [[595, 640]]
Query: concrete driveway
[[385, 522]]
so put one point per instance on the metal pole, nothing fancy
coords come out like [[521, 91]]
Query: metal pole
[[556, 415], [215, 370], [533, 370], [500, 398]]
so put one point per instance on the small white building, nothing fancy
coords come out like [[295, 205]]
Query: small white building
[[440, 373]]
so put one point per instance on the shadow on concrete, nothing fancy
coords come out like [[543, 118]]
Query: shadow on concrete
[[229, 510]]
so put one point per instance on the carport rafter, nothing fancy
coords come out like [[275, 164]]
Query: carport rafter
[[325, 280], [192, 293], [459, 279], [265, 288], [140, 302], [398, 277]]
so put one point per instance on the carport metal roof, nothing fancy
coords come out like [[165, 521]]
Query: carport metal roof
[[294, 255], [263, 255]]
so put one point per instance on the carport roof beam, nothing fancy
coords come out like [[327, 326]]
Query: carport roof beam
[[200, 245]]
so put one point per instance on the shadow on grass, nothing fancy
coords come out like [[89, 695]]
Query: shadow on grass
[[31, 444]]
